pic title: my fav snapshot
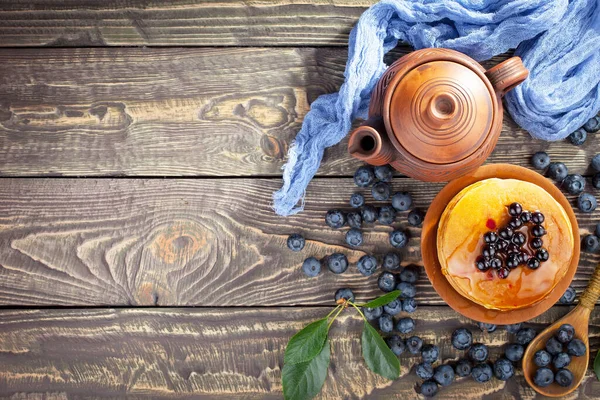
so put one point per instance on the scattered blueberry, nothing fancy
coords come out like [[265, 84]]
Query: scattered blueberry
[[386, 281], [311, 267], [335, 219], [402, 201], [553, 346], [387, 214], [410, 274], [463, 367], [384, 173], [462, 339], [429, 388], [540, 160], [381, 191], [592, 125], [525, 335], [561, 360], [596, 181], [354, 237], [481, 373], [337, 263], [386, 323], [590, 243], [398, 239], [565, 333], [597, 230], [596, 163], [424, 370], [415, 217], [391, 261], [574, 183], [557, 171], [444, 375], [354, 219], [414, 344], [357, 200], [395, 344], [563, 377], [503, 369], [344, 293], [489, 328], [372, 313], [364, 176], [409, 305], [406, 290], [514, 328], [514, 352], [542, 358], [578, 137], [393, 307], [430, 353], [586, 202], [295, 242], [478, 352], [568, 296], [405, 325], [576, 348], [369, 214], [543, 377], [367, 265]]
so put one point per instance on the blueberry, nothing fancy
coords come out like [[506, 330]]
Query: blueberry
[[369, 214], [513, 260], [311, 267], [543, 377], [402, 201], [568, 296], [514, 352], [354, 219], [563, 377], [525, 335], [406, 290], [364, 176], [482, 264], [578, 137], [490, 237], [561, 360], [354, 237], [597, 230], [537, 231], [505, 233], [391, 261], [295, 242], [495, 263], [415, 217], [514, 328], [463, 367], [372, 313], [592, 125], [557, 171], [519, 238], [553, 346], [596, 163], [525, 217], [540, 160], [367, 265], [596, 181], [462, 339], [586, 202], [337, 263], [381, 191], [335, 219], [515, 222], [429, 388], [515, 209], [386, 323], [503, 369], [576, 348], [357, 200], [410, 274], [409, 305], [384, 173], [386, 282], [395, 344], [536, 243], [502, 273], [405, 325], [537, 218], [444, 375], [590, 243], [424, 370], [542, 255], [344, 293], [574, 183], [478, 352], [398, 239], [488, 251], [393, 307], [481, 373], [430, 353], [414, 344], [387, 214], [565, 333], [489, 328], [542, 358]]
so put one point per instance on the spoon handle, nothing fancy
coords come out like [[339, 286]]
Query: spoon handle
[[592, 292]]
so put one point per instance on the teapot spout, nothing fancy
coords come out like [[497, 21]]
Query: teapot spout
[[506, 75], [368, 144]]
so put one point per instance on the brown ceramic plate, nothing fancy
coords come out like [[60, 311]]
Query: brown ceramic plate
[[430, 256]]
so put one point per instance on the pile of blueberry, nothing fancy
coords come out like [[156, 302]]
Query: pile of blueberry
[[580, 135], [556, 357], [507, 248]]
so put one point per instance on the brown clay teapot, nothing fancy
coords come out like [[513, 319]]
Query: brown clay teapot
[[435, 114]]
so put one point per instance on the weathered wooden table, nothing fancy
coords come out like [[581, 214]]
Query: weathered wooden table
[[139, 254]]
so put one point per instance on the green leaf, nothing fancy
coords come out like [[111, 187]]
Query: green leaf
[[304, 380], [307, 343], [597, 365], [378, 356], [383, 300]]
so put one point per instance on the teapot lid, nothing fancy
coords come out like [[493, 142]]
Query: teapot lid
[[441, 111]]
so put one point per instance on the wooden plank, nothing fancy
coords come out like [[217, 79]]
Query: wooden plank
[[190, 242], [179, 23], [174, 112], [230, 353]]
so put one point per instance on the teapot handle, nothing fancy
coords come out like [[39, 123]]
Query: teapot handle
[[507, 75]]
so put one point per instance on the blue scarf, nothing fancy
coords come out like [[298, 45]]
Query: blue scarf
[[558, 40]]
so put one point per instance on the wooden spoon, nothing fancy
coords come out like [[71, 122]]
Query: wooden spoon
[[579, 318]]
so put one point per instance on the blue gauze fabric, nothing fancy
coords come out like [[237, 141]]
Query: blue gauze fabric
[[558, 40]]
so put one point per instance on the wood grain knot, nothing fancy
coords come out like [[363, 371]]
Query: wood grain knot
[[179, 241], [273, 147]]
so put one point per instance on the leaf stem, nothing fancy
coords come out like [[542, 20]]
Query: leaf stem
[[334, 317], [358, 309], [332, 311]]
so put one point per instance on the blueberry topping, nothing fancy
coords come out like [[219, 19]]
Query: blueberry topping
[[387, 214], [575, 184], [354, 219], [393, 307], [526, 335], [482, 264], [586, 202], [429, 388], [568, 296], [415, 217], [563, 377], [557, 171], [430, 353], [444, 375], [424, 370], [525, 217], [553, 346], [462, 339], [414, 344], [503, 369], [337, 263], [543, 377], [372, 313], [503, 273], [488, 251], [367, 265], [561, 360], [384, 173], [506, 233], [311, 267], [515, 222], [481, 373], [478, 352], [490, 237], [391, 261], [538, 230], [590, 243], [364, 176], [357, 200], [514, 352], [386, 323], [542, 358], [519, 238], [537, 218], [515, 209], [405, 325], [576, 348], [402, 201], [386, 281], [592, 125], [540, 160], [369, 214], [345, 294], [398, 239], [495, 263], [463, 367], [396, 344], [536, 243], [410, 274], [513, 261], [381, 191], [335, 219], [501, 244], [542, 255], [407, 290], [295, 242], [354, 237], [578, 137]]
